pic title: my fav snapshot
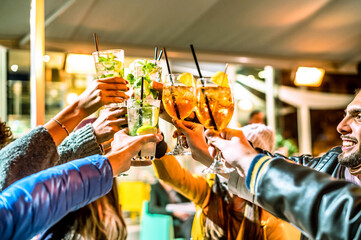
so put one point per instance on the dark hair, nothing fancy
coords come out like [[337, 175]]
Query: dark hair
[[254, 112], [6, 135]]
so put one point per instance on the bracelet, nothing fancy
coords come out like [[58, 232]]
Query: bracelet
[[61, 125]]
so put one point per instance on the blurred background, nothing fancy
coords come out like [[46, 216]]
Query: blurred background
[[295, 61]]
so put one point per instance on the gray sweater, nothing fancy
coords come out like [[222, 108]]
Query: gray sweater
[[37, 151]]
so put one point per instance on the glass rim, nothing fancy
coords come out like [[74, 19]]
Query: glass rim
[[147, 100], [108, 51]]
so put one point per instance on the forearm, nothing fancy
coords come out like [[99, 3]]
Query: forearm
[[70, 117], [311, 200], [33, 204], [29, 154], [79, 144]]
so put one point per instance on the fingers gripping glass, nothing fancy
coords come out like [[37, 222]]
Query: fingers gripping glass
[[214, 109], [179, 100]]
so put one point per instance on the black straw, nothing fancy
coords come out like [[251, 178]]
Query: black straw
[[205, 96], [171, 81], [155, 53], [141, 91], [196, 61], [141, 102]]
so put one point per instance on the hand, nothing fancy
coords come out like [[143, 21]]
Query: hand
[[181, 215], [108, 123], [124, 147], [235, 148], [101, 92], [194, 133]]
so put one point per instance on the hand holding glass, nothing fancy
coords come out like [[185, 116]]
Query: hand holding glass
[[214, 110], [179, 101]]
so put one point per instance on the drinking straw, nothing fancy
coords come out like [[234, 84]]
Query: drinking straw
[[171, 81], [206, 98], [141, 101], [141, 91], [160, 55], [96, 41], [155, 53]]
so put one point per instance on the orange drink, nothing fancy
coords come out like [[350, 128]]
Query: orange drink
[[180, 96], [214, 109], [179, 100], [221, 106]]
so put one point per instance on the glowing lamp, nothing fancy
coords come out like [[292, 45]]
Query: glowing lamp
[[80, 64], [309, 76]]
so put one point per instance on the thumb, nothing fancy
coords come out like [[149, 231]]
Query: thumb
[[157, 86], [215, 140], [180, 126], [142, 139]]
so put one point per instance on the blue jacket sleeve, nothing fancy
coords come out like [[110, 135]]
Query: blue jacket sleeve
[[35, 203]]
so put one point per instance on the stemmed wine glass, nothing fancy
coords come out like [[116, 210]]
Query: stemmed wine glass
[[214, 109], [179, 101]]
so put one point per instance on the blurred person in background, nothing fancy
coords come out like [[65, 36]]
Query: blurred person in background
[[161, 194], [256, 116]]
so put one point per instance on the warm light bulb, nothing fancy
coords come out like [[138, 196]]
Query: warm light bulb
[[309, 76], [245, 105]]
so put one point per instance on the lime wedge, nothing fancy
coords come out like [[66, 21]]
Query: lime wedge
[[146, 130]]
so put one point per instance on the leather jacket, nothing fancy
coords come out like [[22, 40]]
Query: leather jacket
[[322, 207], [319, 207], [35, 203]]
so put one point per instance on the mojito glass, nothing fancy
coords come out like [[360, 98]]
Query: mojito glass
[[150, 70], [110, 63], [143, 119]]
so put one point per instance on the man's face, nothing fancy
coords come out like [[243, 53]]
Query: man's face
[[257, 118], [350, 130]]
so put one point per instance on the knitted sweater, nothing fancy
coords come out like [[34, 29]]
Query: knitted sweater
[[37, 151]]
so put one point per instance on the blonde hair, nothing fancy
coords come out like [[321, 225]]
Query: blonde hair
[[105, 221]]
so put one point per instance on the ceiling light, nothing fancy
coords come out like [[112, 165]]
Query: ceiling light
[[14, 68], [245, 105], [309, 76]]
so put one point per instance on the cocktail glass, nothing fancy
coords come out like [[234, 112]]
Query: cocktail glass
[[150, 70], [214, 109], [109, 63], [143, 119], [179, 101]]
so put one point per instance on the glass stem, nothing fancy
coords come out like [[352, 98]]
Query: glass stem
[[179, 142]]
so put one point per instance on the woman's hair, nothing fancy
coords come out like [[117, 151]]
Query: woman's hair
[[6, 135], [99, 220], [103, 220]]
